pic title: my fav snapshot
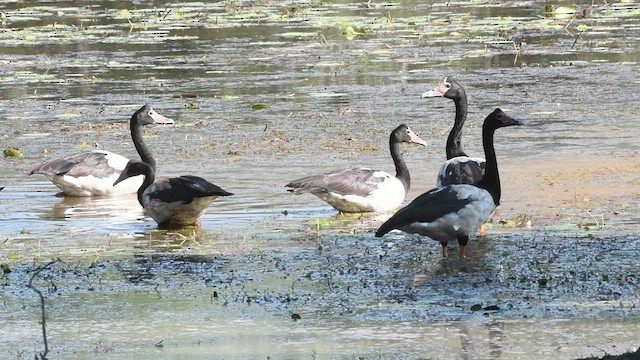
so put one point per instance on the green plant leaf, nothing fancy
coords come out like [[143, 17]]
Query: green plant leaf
[[12, 152]]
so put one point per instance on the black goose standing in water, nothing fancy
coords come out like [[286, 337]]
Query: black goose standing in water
[[454, 212], [459, 167], [174, 202], [93, 173], [363, 189]]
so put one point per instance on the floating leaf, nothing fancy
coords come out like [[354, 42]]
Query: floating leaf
[[564, 12], [124, 13], [12, 152], [190, 106], [561, 12], [350, 33], [259, 106], [323, 223], [582, 27]]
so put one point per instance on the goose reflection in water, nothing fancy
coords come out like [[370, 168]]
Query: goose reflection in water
[[118, 209]]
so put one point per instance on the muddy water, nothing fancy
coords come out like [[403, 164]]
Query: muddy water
[[565, 286]]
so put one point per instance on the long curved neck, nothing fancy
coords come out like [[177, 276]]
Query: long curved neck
[[149, 177], [402, 172], [141, 147], [454, 141], [491, 179]]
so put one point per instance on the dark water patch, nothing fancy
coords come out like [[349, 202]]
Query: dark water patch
[[398, 283]]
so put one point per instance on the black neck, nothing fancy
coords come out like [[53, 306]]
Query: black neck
[[491, 179], [149, 177], [454, 142], [402, 172], [138, 142]]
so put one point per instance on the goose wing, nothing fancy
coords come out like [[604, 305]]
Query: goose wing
[[183, 189], [95, 163], [428, 207], [355, 181], [461, 170]]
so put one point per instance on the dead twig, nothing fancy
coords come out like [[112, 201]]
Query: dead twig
[[166, 11], [36, 272], [575, 41]]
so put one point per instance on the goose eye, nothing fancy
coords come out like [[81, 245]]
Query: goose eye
[[150, 113], [447, 85]]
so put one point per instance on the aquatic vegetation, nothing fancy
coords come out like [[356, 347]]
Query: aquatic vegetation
[[351, 34], [83, 24], [6, 268], [260, 106], [12, 153]]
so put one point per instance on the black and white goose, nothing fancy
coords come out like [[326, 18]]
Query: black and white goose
[[454, 212], [459, 167], [363, 189], [174, 202], [93, 173]]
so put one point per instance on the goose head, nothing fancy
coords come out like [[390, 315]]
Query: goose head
[[135, 168], [147, 116], [498, 119], [448, 88], [404, 134]]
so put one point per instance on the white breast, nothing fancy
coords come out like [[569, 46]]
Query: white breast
[[93, 186]]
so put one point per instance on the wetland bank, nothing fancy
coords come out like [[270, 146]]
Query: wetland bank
[[264, 92]]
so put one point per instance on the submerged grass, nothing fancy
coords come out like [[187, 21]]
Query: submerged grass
[[391, 22]]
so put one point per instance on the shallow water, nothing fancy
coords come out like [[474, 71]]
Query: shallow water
[[562, 288]]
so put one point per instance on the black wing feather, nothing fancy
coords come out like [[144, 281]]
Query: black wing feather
[[425, 208], [186, 188], [462, 172]]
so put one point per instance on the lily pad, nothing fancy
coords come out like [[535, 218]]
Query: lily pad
[[351, 34], [12, 152]]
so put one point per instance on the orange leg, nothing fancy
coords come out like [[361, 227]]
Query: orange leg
[[462, 252]]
